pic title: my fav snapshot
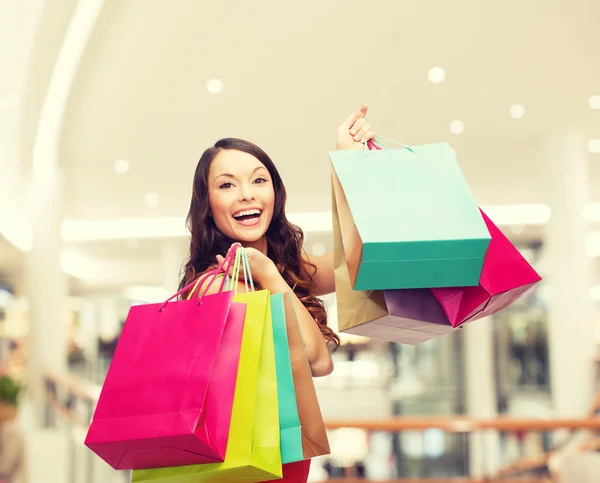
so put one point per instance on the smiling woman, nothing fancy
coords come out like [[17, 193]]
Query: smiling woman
[[238, 196]]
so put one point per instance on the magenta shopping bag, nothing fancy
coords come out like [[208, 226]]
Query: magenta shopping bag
[[168, 395], [506, 276]]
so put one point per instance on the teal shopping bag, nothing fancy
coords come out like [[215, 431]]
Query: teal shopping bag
[[289, 421], [407, 219]]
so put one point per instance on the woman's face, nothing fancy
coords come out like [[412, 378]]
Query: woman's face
[[241, 196]]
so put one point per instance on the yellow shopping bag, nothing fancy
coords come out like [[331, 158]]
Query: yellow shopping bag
[[253, 449]]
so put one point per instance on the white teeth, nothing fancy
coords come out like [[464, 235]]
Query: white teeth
[[246, 213]]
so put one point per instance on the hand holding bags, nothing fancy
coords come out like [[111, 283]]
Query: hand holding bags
[[407, 219], [166, 396]]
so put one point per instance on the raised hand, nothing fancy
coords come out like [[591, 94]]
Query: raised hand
[[354, 131]]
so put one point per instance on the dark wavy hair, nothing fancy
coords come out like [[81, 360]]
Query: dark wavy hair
[[284, 240]]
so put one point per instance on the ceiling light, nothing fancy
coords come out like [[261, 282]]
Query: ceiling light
[[437, 75], [214, 86], [594, 102], [457, 127], [151, 199], [594, 146], [121, 166], [517, 111]]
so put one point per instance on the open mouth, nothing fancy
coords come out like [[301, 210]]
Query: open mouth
[[248, 217]]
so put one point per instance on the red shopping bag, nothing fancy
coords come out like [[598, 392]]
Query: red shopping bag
[[505, 277], [295, 472], [168, 395]]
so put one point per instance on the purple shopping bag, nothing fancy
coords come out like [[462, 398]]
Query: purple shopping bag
[[168, 395]]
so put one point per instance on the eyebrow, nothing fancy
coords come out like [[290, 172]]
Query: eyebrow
[[229, 175]]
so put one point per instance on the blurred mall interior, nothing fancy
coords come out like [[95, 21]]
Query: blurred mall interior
[[105, 108]]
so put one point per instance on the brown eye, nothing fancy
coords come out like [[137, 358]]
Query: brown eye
[[226, 185]]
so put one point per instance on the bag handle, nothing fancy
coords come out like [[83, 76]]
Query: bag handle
[[373, 146], [194, 284], [241, 258], [236, 258], [223, 269]]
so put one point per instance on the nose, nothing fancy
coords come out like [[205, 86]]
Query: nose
[[247, 192]]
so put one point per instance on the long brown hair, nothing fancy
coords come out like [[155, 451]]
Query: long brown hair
[[284, 240]]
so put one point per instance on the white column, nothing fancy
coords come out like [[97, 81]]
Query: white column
[[47, 287], [47, 283], [484, 448], [568, 273]]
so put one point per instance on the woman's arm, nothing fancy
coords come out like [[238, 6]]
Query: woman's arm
[[351, 134], [322, 273], [321, 363]]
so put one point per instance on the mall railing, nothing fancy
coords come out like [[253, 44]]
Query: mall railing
[[74, 400], [589, 442]]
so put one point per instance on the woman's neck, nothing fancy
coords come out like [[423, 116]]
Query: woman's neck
[[260, 245]]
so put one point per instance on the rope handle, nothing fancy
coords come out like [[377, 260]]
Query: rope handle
[[372, 144], [195, 284], [223, 268], [241, 258]]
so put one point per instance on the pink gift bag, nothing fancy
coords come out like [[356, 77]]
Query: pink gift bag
[[168, 395], [505, 277]]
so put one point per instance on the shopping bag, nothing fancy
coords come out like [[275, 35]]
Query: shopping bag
[[314, 434], [407, 218], [253, 449], [289, 421], [168, 394], [506, 276], [409, 316]]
